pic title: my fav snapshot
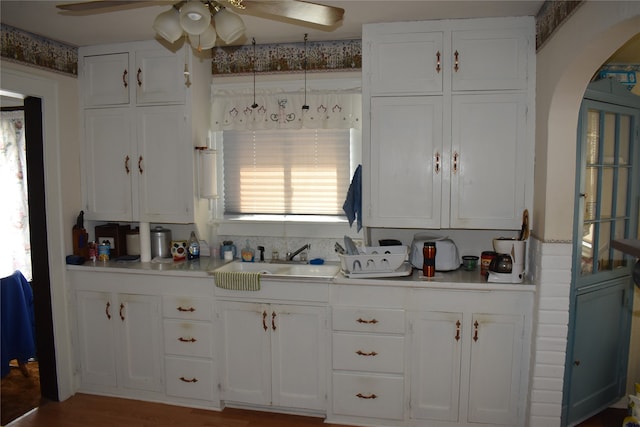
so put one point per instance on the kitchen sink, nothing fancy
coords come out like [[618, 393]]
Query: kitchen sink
[[324, 271]]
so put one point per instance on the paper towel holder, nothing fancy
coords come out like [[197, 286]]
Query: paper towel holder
[[207, 173]]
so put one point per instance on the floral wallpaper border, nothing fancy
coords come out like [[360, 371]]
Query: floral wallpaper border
[[340, 55], [550, 16], [27, 48]]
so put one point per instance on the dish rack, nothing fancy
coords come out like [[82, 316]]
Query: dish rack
[[374, 259]]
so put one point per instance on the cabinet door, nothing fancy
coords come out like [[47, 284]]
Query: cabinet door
[[109, 164], [160, 77], [494, 374], [105, 79], [164, 165], [96, 339], [406, 162], [489, 59], [436, 348], [298, 356], [246, 353], [405, 63], [488, 168], [139, 319]]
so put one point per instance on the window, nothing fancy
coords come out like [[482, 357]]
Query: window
[[287, 172], [607, 144]]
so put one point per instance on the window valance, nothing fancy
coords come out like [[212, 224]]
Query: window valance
[[283, 110]]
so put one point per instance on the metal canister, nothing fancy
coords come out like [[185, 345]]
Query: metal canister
[[103, 251], [485, 260]]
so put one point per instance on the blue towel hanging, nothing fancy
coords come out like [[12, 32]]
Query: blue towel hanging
[[353, 204]]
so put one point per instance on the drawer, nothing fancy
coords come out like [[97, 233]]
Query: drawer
[[372, 396], [188, 338], [190, 308], [368, 320], [371, 353], [190, 378]]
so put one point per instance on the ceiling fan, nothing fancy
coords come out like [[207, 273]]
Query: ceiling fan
[[205, 20]]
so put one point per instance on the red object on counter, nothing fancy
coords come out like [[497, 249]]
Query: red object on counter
[[429, 256]]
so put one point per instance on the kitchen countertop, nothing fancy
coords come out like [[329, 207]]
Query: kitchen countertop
[[195, 268], [202, 267]]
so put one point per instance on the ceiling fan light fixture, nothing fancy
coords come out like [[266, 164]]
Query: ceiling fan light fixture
[[229, 25], [206, 40], [195, 17], [167, 25]]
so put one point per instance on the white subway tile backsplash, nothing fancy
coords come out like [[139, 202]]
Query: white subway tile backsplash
[[551, 344], [553, 317], [555, 331], [546, 396], [547, 371], [555, 290], [550, 357], [539, 421], [541, 383], [554, 303]]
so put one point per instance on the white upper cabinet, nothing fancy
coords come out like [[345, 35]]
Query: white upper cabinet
[[142, 76], [405, 62], [406, 155], [489, 59], [488, 146], [448, 130], [159, 77], [141, 123], [105, 79]]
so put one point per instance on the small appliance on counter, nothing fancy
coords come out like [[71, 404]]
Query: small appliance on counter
[[447, 256], [508, 264]]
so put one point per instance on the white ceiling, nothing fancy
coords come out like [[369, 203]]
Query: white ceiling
[[43, 18]]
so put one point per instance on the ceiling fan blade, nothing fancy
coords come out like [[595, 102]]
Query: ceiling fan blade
[[299, 10], [97, 6]]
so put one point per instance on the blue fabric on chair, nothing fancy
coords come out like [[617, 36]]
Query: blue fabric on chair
[[353, 204], [17, 317]]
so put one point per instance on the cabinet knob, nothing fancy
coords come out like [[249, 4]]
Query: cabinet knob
[[576, 362]]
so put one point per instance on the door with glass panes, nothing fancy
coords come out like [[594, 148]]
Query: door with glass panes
[[606, 209]]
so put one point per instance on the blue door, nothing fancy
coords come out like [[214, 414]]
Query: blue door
[[607, 189]]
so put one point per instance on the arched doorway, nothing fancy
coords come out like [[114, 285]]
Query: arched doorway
[[565, 66]]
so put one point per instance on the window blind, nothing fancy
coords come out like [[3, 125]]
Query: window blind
[[287, 172]]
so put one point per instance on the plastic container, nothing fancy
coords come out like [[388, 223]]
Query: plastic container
[[469, 262]]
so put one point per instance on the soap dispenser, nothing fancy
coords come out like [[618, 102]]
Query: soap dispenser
[[247, 253]]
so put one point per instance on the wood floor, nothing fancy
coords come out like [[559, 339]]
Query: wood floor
[[83, 410]]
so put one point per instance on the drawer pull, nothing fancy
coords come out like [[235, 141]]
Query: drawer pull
[[264, 320], [192, 380], [107, 311], [363, 353], [190, 339], [190, 309], [369, 396], [372, 321], [121, 309], [457, 331], [475, 331]]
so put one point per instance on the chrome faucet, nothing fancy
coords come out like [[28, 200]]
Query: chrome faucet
[[291, 255]]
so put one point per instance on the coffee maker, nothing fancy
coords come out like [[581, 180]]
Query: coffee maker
[[508, 249]]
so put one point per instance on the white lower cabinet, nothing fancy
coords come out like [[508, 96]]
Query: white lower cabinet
[[467, 365], [145, 336], [188, 347], [120, 344], [273, 354]]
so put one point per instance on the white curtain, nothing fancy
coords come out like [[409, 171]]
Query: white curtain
[[282, 110], [15, 246]]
